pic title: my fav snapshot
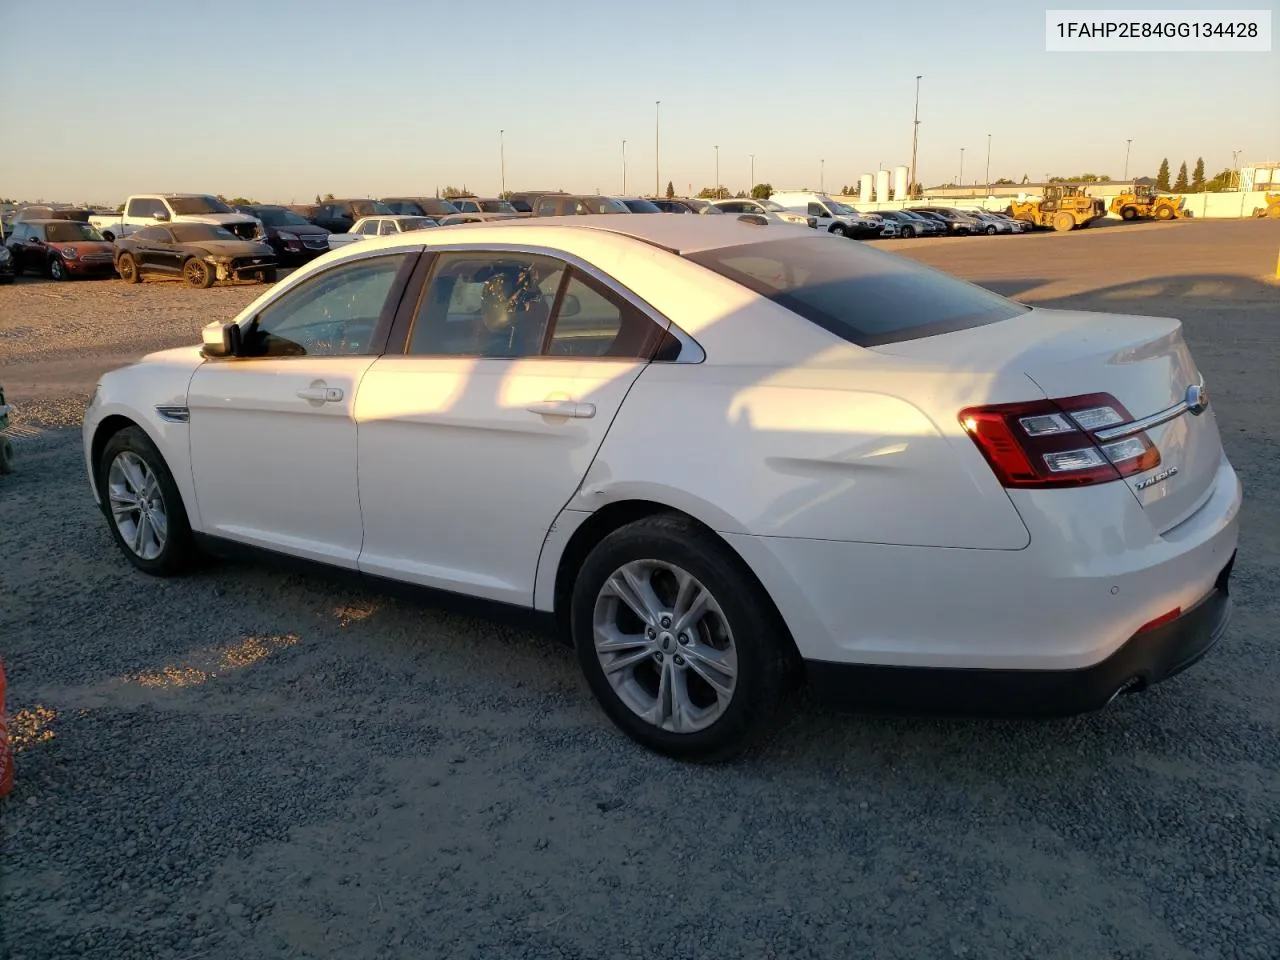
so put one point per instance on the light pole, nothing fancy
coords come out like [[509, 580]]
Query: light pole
[[1128, 144], [502, 161], [962, 166], [752, 185], [988, 164], [624, 168], [822, 176], [657, 113], [915, 136], [717, 171]]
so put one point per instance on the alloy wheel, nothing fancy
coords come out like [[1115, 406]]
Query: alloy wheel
[[137, 505], [665, 646]]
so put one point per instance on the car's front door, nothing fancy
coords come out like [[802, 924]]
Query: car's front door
[[273, 438], [156, 250], [473, 439]]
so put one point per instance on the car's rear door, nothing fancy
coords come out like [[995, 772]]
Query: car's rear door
[[475, 436], [273, 435]]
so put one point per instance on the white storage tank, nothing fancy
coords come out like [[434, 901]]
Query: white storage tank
[[882, 186], [864, 188], [1264, 176], [900, 183]]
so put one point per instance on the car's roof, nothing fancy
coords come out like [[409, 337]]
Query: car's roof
[[676, 234]]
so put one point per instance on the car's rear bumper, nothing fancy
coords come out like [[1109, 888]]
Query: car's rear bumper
[[1093, 574], [1145, 659]]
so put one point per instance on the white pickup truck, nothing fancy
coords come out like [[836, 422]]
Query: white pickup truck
[[148, 209]]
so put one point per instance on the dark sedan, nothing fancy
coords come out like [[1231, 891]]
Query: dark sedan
[[60, 249], [432, 207], [294, 238], [199, 253]]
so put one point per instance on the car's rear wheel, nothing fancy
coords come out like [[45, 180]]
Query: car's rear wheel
[[143, 506], [991, 230], [6, 456], [677, 641], [127, 267], [197, 273], [58, 269]]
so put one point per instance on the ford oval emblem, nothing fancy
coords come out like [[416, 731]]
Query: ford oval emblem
[[1197, 399]]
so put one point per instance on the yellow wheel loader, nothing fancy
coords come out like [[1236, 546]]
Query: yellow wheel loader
[[1063, 207], [1145, 202], [1272, 209]]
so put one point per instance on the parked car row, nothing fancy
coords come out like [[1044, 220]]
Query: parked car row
[[201, 239]]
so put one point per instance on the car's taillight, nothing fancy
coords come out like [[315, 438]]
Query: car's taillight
[[1051, 443]]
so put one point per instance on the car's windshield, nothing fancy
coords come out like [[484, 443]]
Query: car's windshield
[[199, 232], [280, 217], [496, 206], [641, 205], [522, 206], [69, 231], [862, 295], [189, 206], [841, 209]]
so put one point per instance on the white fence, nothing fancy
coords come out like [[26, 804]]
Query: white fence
[[1207, 205]]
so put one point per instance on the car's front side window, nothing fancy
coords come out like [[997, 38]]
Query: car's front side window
[[479, 304], [335, 313]]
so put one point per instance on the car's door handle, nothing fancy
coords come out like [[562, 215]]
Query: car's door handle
[[562, 408], [321, 394]]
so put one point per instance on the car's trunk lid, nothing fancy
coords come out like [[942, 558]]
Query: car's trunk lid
[[1143, 362]]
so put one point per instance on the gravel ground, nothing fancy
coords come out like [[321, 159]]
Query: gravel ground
[[251, 763]]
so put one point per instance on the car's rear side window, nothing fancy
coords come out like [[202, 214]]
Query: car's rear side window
[[860, 294]]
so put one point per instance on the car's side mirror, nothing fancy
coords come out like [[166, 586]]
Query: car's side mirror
[[161, 215], [570, 306], [222, 341]]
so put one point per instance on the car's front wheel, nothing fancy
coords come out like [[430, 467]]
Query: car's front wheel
[[57, 269], [991, 230], [143, 505], [677, 641], [198, 273]]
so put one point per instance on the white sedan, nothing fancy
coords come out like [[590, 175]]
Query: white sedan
[[722, 457], [383, 226]]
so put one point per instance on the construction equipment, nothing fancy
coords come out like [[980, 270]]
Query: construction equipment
[[1145, 202], [1064, 206], [1272, 209]]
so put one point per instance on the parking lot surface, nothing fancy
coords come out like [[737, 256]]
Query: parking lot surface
[[252, 763]]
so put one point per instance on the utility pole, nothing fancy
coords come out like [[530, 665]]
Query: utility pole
[[752, 186], [717, 171], [657, 113], [502, 161], [961, 183], [822, 176], [1128, 144], [624, 168], [988, 164], [915, 137]]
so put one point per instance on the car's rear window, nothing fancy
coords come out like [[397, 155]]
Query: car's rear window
[[861, 294]]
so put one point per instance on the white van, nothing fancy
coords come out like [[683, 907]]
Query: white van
[[834, 216]]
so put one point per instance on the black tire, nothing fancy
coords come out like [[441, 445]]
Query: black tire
[[269, 276], [838, 230], [908, 231], [127, 267], [6, 456], [764, 652], [1129, 213], [197, 273], [178, 550], [108, 236], [58, 270], [991, 230]]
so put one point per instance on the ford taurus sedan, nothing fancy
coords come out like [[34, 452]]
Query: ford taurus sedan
[[724, 458]]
